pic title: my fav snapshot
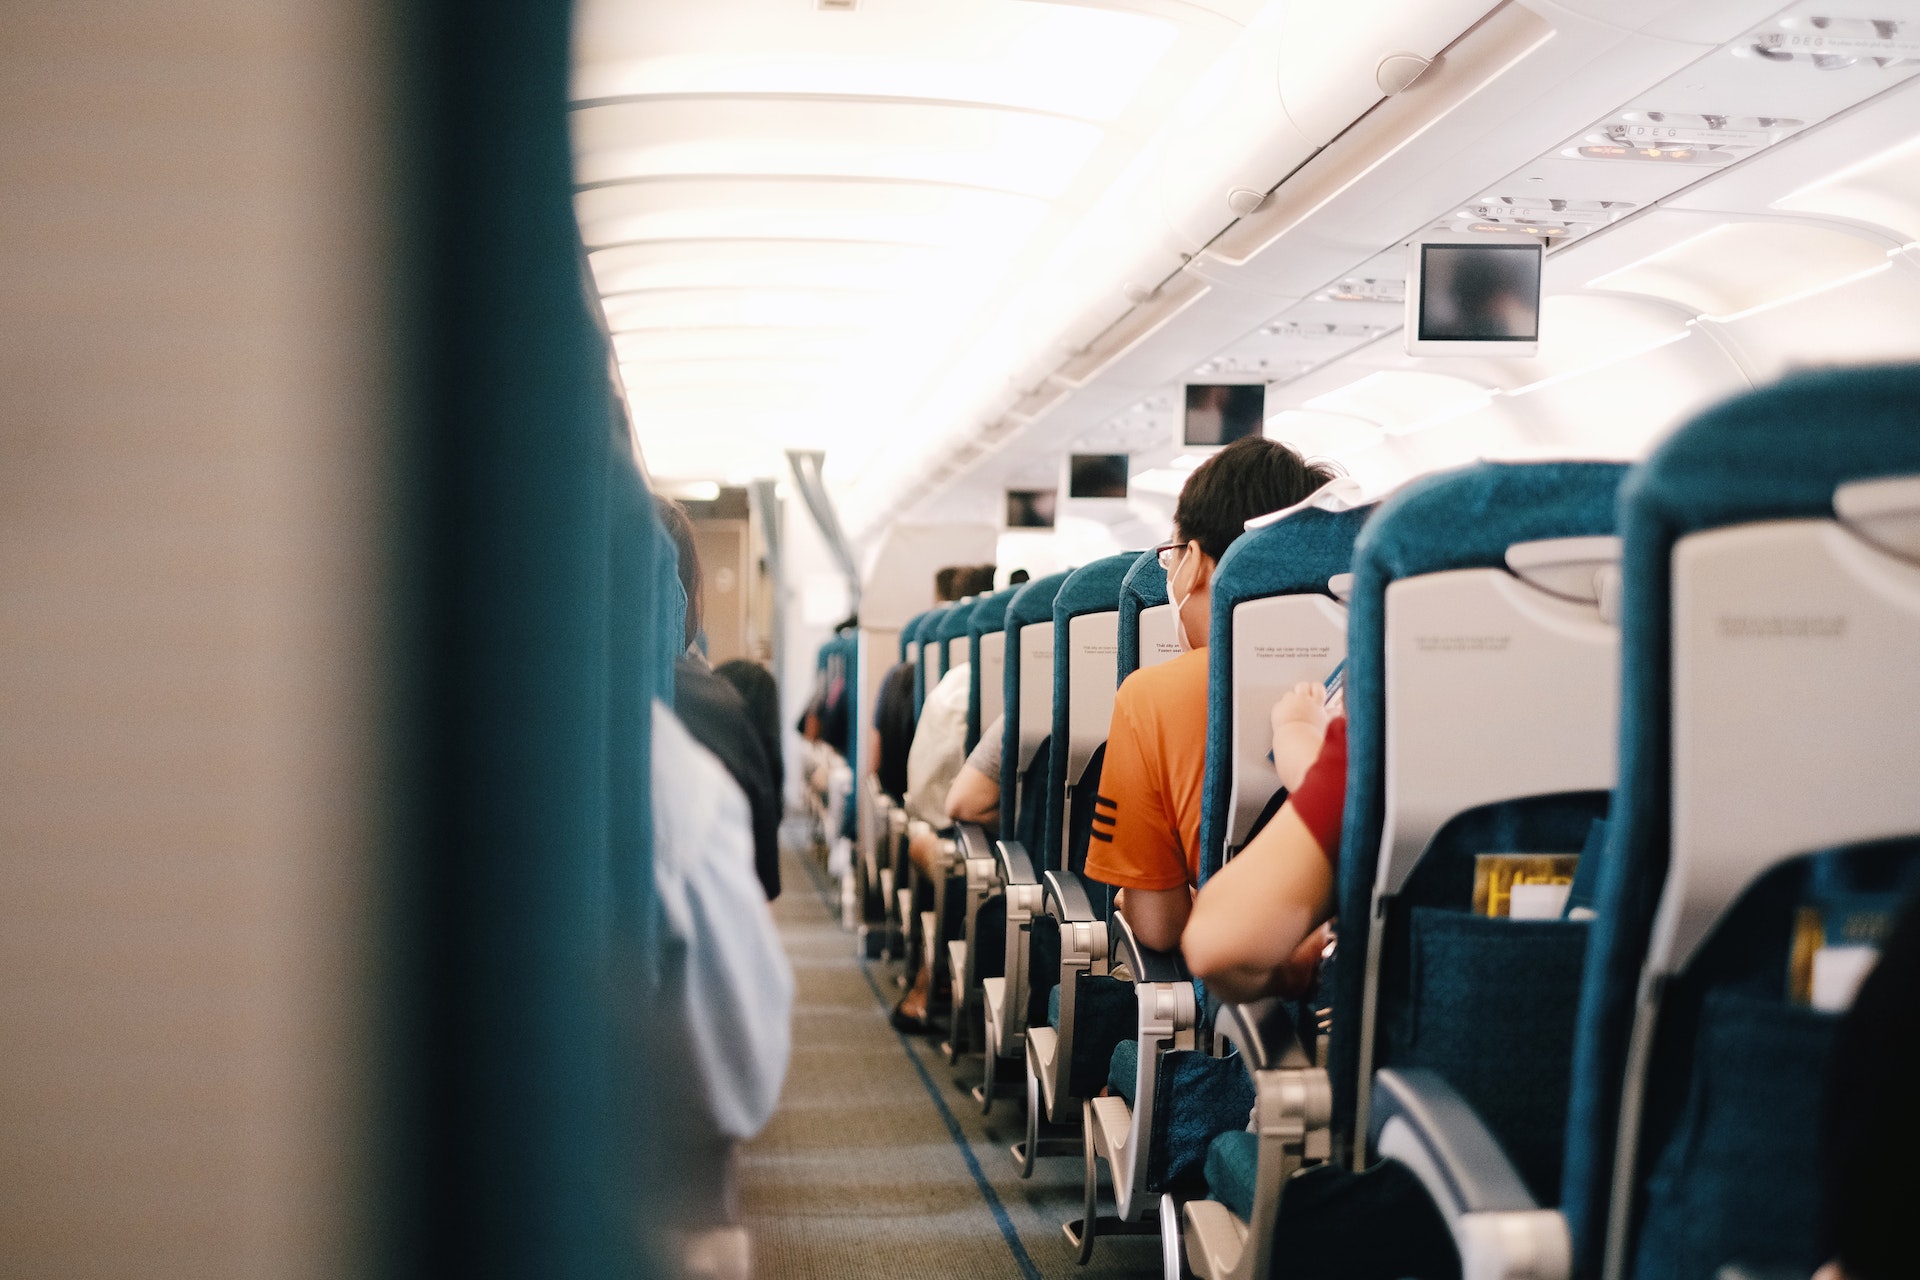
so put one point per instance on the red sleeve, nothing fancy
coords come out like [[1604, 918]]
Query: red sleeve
[[1322, 795]]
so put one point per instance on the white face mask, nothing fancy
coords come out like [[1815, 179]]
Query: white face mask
[[1179, 608]]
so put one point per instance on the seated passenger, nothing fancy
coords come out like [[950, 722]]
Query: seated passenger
[[975, 794], [1258, 928], [725, 995], [934, 761], [761, 694], [717, 716], [1146, 832], [891, 735]]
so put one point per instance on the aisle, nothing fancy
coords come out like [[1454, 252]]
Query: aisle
[[877, 1163]]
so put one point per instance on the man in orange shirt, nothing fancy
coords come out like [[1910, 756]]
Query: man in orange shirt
[[1146, 822]]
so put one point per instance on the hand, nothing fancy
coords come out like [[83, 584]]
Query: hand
[[1305, 703], [1295, 977]]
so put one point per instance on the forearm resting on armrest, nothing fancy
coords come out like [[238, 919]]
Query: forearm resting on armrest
[[1157, 916], [1257, 915], [974, 797]]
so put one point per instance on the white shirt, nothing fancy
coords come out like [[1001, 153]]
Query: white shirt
[[939, 747], [730, 985]]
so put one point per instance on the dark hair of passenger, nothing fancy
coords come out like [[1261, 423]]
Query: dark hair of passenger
[[673, 517], [1018, 576], [944, 582], [756, 687], [1248, 478], [975, 580]]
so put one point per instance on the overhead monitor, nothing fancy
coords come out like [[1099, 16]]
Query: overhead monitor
[[1474, 297], [1031, 508], [1220, 413], [1097, 475]]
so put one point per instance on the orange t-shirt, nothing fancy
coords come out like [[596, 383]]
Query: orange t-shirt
[[1146, 821]]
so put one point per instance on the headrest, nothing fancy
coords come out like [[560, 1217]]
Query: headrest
[[1295, 555], [1468, 518], [1144, 587], [908, 633], [955, 622], [990, 612], [1034, 601], [1093, 588]]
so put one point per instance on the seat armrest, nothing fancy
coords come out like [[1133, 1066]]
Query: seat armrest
[[1067, 898], [1265, 1034], [1498, 1228], [1452, 1138], [973, 840], [1147, 964], [1015, 866]]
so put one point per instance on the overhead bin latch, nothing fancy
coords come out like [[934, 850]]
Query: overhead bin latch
[[1397, 72], [1571, 568]]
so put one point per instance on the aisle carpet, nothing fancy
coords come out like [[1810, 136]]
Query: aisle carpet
[[878, 1163]]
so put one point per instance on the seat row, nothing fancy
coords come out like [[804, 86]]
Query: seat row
[[1630, 790]]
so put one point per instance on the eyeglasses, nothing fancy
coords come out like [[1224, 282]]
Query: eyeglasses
[[1169, 554]]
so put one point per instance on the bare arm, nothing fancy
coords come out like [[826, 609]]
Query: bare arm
[[1250, 923], [974, 797], [1299, 727], [1158, 916]]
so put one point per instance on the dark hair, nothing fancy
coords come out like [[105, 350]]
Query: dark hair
[[1017, 577], [756, 687], [944, 582], [1248, 478], [673, 517], [974, 580]]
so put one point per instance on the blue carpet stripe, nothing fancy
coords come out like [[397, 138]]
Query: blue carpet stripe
[[987, 1193]]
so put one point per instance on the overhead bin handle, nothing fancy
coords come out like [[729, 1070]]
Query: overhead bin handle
[[1884, 512], [1571, 568]]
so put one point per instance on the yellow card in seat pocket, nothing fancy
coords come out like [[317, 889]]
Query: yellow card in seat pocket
[[1544, 880]]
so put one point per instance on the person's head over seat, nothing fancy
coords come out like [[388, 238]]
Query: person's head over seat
[[1250, 477], [674, 519]]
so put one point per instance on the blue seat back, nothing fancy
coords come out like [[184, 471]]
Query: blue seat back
[[1086, 628], [955, 623], [910, 637], [1738, 577], [1273, 623], [986, 658], [1027, 702], [923, 647], [1456, 520], [1146, 618]]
